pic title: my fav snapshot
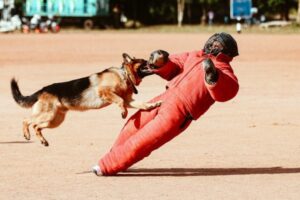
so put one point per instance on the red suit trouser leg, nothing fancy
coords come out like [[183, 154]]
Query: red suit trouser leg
[[144, 132], [134, 123]]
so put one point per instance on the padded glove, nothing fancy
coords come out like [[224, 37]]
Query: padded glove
[[158, 59]]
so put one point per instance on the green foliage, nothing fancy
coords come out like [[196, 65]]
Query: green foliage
[[279, 5], [273, 7], [149, 12], [158, 11], [276, 3], [207, 2]]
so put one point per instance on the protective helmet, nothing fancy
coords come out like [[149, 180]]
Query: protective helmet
[[228, 43]]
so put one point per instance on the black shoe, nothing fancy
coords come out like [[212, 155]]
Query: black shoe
[[211, 73]]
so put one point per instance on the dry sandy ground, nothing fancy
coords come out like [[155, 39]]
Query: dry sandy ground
[[248, 148]]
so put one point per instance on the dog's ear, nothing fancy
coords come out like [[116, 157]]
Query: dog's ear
[[127, 58]]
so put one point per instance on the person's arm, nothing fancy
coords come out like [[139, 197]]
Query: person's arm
[[167, 66], [226, 86]]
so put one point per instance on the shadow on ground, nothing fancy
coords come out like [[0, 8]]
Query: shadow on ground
[[202, 171], [16, 142], [207, 171]]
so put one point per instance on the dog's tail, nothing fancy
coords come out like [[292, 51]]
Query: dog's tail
[[23, 101]]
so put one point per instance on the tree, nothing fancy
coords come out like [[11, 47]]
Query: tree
[[180, 11], [298, 16], [206, 5], [274, 7]]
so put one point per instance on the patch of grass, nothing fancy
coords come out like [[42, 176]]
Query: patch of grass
[[291, 29], [219, 28]]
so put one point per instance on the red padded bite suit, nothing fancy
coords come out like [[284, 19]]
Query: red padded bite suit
[[188, 96]]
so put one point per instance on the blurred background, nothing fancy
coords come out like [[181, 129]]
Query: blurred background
[[52, 15]]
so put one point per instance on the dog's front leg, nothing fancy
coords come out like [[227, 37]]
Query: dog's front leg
[[111, 97], [143, 105], [120, 102]]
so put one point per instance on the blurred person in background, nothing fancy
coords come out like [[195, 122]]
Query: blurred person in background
[[238, 25], [116, 11], [211, 16], [1, 8], [8, 6]]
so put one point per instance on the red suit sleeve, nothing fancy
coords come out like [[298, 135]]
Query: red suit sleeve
[[173, 67], [227, 85]]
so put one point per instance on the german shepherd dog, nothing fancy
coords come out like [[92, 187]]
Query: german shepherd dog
[[113, 85]]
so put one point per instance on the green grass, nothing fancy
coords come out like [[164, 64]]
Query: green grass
[[292, 29]]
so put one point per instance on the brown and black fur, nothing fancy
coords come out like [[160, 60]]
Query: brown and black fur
[[113, 85]]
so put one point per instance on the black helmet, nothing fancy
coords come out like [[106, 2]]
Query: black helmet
[[229, 45]]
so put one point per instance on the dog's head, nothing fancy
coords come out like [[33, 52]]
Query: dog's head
[[136, 68]]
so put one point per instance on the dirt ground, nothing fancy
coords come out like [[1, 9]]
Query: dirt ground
[[247, 148]]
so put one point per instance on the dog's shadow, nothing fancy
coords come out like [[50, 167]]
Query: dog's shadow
[[206, 171], [16, 142]]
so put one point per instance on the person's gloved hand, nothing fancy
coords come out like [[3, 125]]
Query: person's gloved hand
[[158, 59], [211, 73]]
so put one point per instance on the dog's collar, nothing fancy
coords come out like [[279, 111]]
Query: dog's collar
[[127, 74]]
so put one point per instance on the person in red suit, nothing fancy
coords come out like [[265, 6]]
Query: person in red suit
[[196, 81]]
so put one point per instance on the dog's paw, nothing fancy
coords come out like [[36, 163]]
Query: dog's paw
[[27, 136], [124, 114], [153, 105], [158, 103], [45, 143]]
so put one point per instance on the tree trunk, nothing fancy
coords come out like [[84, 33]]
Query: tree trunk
[[286, 12], [180, 11], [204, 15], [298, 17]]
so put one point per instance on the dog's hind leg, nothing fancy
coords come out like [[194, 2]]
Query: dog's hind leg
[[42, 121], [48, 120], [39, 134], [45, 113], [26, 124]]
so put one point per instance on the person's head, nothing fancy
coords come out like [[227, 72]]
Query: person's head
[[221, 43]]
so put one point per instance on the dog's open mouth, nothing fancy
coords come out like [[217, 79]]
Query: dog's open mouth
[[145, 69]]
